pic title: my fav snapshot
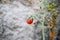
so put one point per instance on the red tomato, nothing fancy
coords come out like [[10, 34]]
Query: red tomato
[[29, 21]]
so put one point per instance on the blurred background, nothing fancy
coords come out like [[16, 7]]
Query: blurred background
[[13, 15]]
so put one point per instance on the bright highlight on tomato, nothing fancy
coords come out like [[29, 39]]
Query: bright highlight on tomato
[[29, 21]]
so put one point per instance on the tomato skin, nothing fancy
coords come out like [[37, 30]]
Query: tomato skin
[[29, 21]]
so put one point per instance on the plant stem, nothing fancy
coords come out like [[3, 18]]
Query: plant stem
[[43, 29]]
